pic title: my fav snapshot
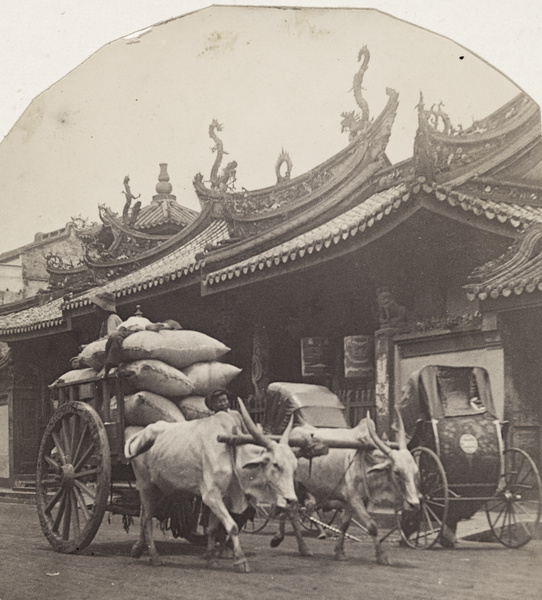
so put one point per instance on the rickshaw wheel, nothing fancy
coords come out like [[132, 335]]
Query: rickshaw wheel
[[73, 477], [424, 528], [514, 513], [261, 519]]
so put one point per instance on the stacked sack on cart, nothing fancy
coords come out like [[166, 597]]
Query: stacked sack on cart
[[167, 371]]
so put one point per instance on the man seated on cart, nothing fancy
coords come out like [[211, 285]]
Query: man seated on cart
[[106, 310], [218, 400]]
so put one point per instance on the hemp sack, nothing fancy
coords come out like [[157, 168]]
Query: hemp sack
[[135, 323], [158, 377], [145, 408], [178, 348], [210, 376], [193, 407], [92, 355], [75, 376]]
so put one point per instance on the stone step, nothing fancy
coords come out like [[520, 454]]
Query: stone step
[[8, 495]]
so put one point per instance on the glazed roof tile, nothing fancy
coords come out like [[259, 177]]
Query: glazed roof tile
[[365, 215], [164, 211], [177, 264], [34, 318], [518, 270], [182, 261]]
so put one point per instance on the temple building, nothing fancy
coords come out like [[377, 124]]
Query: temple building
[[351, 275], [120, 244]]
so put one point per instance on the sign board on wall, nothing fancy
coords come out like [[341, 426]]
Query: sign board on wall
[[316, 357], [358, 356]]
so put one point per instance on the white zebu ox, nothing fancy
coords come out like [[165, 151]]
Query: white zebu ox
[[350, 479], [171, 457]]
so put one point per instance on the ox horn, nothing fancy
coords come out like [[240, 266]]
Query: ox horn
[[258, 436], [377, 441], [401, 435], [285, 437]]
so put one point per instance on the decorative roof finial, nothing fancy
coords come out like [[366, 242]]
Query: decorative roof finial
[[283, 157], [163, 187]]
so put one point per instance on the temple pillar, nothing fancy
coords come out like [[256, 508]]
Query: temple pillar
[[384, 381]]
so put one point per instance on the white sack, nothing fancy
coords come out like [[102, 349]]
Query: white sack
[[158, 377], [92, 355], [77, 375], [145, 408], [193, 407], [178, 348], [135, 323], [210, 376]]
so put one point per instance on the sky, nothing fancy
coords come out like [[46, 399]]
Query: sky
[[41, 42]]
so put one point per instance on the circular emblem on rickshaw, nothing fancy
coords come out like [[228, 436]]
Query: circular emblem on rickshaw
[[468, 443]]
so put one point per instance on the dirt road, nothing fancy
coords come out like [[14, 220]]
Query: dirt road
[[31, 570]]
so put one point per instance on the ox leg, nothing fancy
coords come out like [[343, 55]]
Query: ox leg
[[146, 537], [216, 504], [302, 547], [372, 529], [345, 524], [211, 553], [277, 539]]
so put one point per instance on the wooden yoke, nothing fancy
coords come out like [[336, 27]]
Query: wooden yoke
[[294, 441]]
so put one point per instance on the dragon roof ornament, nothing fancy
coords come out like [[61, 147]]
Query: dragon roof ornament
[[224, 181], [353, 122]]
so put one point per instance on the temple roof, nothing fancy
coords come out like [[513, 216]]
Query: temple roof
[[506, 145], [181, 262], [474, 176], [251, 212], [35, 318], [166, 211], [518, 270], [381, 208]]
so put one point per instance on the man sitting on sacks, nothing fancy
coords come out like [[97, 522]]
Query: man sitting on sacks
[[113, 348], [106, 310]]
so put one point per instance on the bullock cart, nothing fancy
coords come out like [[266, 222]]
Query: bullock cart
[[82, 472], [464, 460]]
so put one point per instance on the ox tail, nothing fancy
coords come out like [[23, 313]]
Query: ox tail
[[144, 440]]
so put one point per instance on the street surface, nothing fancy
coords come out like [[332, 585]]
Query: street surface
[[31, 570]]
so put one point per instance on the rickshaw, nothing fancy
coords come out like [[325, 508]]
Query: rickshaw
[[465, 464], [82, 472]]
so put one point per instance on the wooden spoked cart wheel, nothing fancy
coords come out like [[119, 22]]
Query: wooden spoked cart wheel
[[514, 512], [73, 477], [424, 528]]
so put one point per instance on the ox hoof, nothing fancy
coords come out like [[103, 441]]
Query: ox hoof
[[383, 560], [305, 552], [156, 561], [341, 556], [276, 541], [241, 567], [212, 563], [136, 551]]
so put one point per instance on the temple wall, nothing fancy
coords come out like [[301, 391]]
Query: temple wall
[[521, 331], [4, 440], [34, 265]]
